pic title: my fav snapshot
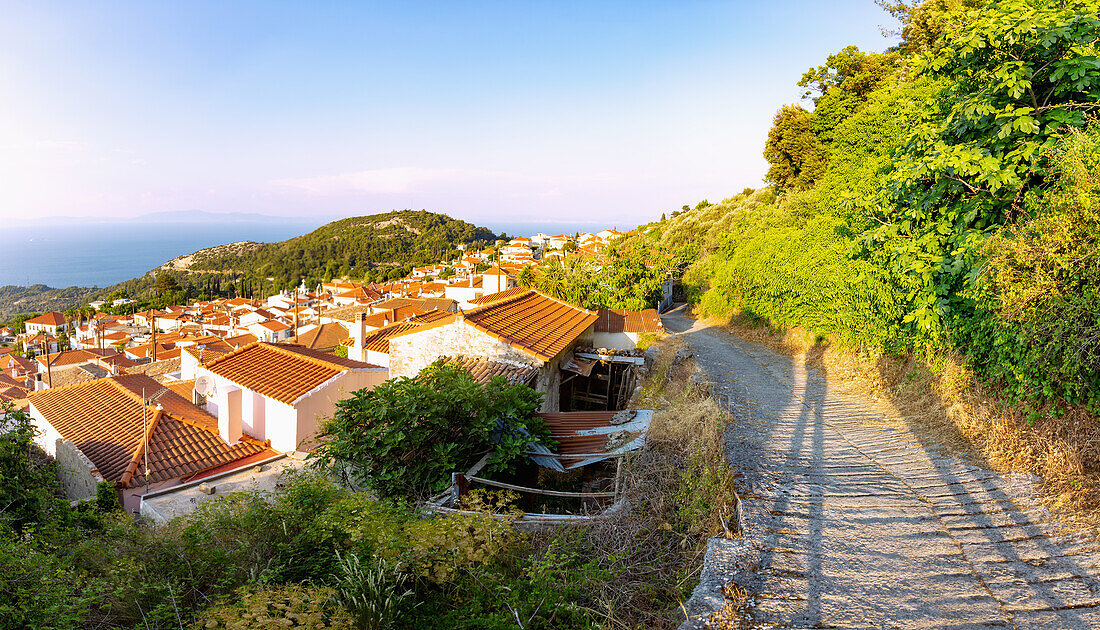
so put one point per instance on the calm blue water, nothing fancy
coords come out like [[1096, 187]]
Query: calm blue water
[[103, 254]]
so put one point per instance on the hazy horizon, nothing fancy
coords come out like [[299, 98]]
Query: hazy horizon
[[609, 111]]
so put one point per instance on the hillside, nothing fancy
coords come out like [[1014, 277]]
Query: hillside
[[39, 298], [348, 247]]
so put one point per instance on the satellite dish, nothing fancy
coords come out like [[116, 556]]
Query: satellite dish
[[204, 385]]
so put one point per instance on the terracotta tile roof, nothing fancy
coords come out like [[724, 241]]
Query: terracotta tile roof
[[346, 313], [379, 340], [73, 357], [618, 320], [182, 388], [241, 340], [387, 317], [52, 318], [535, 323], [275, 326], [284, 372], [156, 369], [324, 337], [493, 271], [484, 370], [105, 420], [500, 295]]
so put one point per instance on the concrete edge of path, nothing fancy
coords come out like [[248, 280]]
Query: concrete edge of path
[[721, 561]]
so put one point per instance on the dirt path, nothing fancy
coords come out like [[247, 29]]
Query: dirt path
[[852, 521]]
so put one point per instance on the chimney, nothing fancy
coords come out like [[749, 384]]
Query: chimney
[[355, 352], [229, 416]]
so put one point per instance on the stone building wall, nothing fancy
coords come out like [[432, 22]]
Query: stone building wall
[[79, 477], [411, 353]]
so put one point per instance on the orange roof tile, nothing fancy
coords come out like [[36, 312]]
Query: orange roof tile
[[106, 420], [533, 322], [52, 318], [73, 357], [284, 372], [617, 320], [498, 296], [485, 370], [325, 336]]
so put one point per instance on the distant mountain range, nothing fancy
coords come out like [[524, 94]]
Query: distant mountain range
[[175, 216]]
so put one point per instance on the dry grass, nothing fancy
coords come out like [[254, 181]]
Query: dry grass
[[940, 400], [732, 615], [678, 488]]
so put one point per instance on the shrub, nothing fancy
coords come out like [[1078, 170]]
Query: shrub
[[1038, 332], [403, 437], [280, 607]]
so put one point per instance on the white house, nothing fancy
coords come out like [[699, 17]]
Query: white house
[[133, 431], [49, 323], [277, 392], [271, 330]]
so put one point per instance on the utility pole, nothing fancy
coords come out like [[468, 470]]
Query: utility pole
[[49, 372], [295, 314], [145, 425]]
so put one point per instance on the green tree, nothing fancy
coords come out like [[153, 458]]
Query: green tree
[[29, 486], [402, 438], [796, 156], [1017, 72], [165, 283]]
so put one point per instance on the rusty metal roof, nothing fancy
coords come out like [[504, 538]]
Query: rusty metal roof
[[586, 432]]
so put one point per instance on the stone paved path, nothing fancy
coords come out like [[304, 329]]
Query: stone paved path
[[853, 522]]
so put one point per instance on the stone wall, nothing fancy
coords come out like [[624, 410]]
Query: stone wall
[[79, 477], [411, 353]]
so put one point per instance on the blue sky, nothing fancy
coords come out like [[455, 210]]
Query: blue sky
[[488, 111]]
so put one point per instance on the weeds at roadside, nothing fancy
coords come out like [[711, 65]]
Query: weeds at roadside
[[941, 400]]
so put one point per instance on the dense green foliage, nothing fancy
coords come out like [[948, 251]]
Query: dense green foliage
[[1040, 305], [404, 437], [39, 298], [622, 279], [28, 479], [953, 209], [356, 247]]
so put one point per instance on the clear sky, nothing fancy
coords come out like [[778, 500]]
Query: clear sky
[[488, 111]]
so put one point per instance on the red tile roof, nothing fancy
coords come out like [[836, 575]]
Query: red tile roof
[[533, 322], [284, 372], [500, 295], [324, 337], [106, 420], [52, 318], [618, 320], [73, 357], [485, 370]]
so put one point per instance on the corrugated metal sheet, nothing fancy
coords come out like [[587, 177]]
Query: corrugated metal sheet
[[586, 433]]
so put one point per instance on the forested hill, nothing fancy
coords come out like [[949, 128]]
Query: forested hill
[[356, 247], [941, 196]]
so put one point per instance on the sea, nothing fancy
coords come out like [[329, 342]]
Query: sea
[[102, 254]]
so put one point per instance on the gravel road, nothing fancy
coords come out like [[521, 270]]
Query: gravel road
[[851, 520]]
